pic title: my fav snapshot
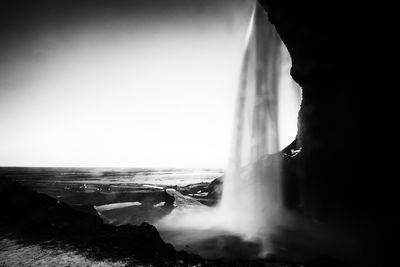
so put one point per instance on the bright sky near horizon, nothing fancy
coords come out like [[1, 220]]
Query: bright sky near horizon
[[125, 92], [143, 83]]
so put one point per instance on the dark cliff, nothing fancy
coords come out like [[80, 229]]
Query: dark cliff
[[343, 56]]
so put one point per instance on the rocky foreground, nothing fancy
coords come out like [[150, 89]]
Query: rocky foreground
[[36, 218], [37, 230]]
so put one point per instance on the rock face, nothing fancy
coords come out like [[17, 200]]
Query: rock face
[[342, 56], [215, 188], [206, 193], [38, 217]]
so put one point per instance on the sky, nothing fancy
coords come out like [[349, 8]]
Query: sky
[[119, 83]]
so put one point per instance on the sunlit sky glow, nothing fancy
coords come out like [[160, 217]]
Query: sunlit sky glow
[[112, 90], [124, 92]]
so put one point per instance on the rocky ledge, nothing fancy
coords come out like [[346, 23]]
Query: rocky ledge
[[34, 217]]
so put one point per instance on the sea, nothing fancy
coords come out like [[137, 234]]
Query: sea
[[118, 195]]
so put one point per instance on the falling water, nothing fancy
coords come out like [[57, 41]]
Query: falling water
[[252, 193], [251, 199]]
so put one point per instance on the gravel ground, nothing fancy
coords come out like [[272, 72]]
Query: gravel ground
[[13, 253]]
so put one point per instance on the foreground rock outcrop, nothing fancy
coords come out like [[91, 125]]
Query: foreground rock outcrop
[[37, 217]]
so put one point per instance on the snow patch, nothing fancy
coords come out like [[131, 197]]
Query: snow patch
[[114, 206]]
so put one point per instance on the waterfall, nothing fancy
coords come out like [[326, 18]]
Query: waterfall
[[252, 193], [251, 198]]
